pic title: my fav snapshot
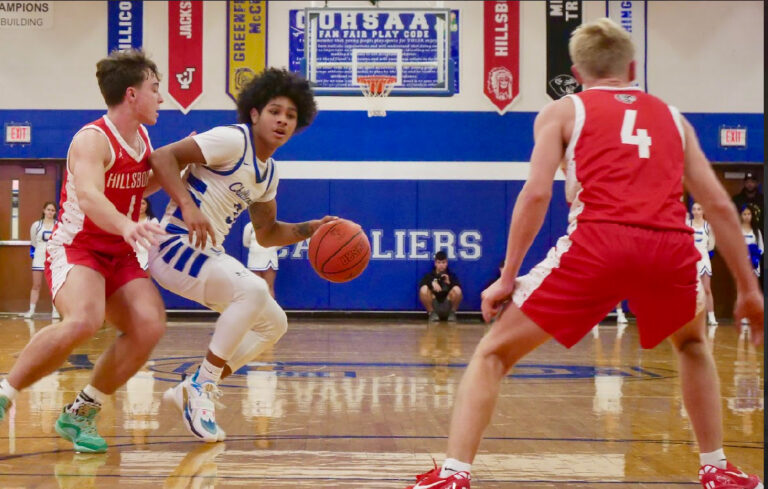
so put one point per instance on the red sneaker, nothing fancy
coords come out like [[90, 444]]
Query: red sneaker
[[432, 480], [712, 477]]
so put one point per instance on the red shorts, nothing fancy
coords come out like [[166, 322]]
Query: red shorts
[[597, 265], [117, 270]]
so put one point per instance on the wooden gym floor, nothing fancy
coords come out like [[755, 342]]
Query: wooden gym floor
[[365, 404]]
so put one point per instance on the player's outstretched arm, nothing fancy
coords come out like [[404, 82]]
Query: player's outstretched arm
[[166, 164], [271, 232], [532, 202], [702, 182], [88, 156]]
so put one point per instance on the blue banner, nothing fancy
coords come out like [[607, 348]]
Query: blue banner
[[126, 24]]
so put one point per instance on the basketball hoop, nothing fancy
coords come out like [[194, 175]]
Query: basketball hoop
[[376, 89]]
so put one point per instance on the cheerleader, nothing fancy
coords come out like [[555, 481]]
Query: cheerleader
[[39, 234], [752, 237], [704, 240]]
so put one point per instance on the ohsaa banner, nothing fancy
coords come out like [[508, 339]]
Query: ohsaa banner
[[185, 52], [563, 16], [246, 42], [124, 25], [501, 82], [631, 16]]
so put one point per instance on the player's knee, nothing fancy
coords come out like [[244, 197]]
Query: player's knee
[[82, 329], [455, 294], [691, 345], [151, 326], [279, 323]]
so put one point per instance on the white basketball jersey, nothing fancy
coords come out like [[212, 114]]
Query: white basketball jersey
[[231, 179]]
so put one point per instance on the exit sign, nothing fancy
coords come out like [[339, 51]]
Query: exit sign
[[18, 133], [733, 137]]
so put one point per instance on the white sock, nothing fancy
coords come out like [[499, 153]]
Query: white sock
[[208, 372], [716, 458], [7, 390], [452, 466], [711, 316], [32, 308], [89, 395]]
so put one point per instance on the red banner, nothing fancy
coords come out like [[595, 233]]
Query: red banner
[[501, 82], [185, 52]]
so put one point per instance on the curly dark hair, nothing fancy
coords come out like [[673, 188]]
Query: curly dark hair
[[120, 70], [274, 82]]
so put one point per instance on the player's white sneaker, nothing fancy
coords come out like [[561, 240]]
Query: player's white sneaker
[[196, 404], [621, 318], [29, 314]]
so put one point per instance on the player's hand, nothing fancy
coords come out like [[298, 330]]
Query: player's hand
[[142, 234], [436, 286], [495, 296], [316, 223], [198, 225], [750, 305]]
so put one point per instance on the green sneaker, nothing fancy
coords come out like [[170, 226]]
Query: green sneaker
[[80, 429], [5, 405]]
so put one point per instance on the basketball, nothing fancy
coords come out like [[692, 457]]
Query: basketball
[[339, 250]]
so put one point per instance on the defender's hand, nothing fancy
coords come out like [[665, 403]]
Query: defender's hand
[[750, 305], [142, 234], [494, 297]]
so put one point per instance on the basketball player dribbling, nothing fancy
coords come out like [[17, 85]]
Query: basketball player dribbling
[[625, 154], [229, 169], [91, 265]]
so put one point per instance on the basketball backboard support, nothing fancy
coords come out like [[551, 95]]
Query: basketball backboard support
[[412, 45]]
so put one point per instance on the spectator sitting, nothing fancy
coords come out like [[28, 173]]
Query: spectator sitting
[[440, 290]]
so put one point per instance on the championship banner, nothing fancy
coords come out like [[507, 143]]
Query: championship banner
[[125, 21], [501, 26], [631, 16], [185, 52], [246, 42], [562, 18]]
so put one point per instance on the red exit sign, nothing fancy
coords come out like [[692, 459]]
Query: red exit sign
[[733, 136], [18, 133]]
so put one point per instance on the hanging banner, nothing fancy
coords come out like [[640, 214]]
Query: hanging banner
[[125, 21], [631, 16], [562, 18], [501, 26], [185, 52], [246, 42]]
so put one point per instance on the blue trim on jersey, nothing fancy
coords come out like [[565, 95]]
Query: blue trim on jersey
[[184, 258], [165, 243], [259, 178], [168, 256], [271, 171], [177, 212], [197, 264], [242, 158], [174, 229], [197, 184]]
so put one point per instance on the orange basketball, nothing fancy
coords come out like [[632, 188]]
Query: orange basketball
[[339, 250]]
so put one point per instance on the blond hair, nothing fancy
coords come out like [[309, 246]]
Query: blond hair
[[601, 48]]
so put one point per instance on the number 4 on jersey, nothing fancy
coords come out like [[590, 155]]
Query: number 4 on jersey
[[641, 139]]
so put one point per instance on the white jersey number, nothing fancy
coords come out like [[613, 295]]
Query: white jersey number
[[641, 139], [130, 207]]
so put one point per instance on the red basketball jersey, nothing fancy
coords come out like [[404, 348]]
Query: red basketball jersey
[[625, 160], [125, 179]]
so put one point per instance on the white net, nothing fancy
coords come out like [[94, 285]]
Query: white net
[[376, 89]]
